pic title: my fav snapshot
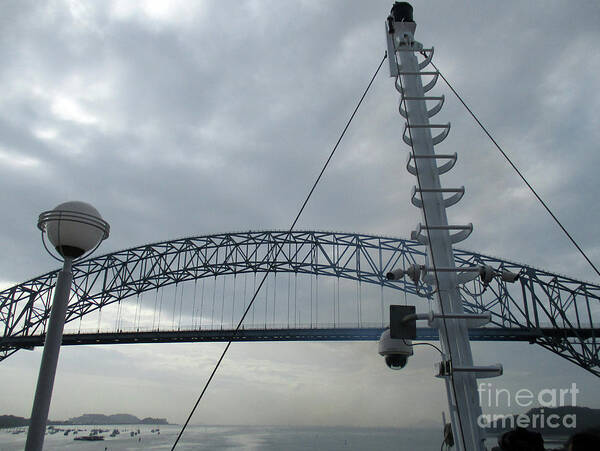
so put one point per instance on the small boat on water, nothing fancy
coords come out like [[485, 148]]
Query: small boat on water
[[90, 438]]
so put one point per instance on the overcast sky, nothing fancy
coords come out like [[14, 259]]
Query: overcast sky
[[186, 118]]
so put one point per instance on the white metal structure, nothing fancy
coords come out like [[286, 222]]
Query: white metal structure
[[457, 369]]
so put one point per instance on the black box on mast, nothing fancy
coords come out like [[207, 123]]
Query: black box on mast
[[400, 326]]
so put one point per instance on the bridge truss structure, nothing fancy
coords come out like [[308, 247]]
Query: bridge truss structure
[[553, 311]]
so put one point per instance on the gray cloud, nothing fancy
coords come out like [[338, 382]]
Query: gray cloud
[[217, 117]]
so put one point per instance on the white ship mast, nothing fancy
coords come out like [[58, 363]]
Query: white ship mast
[[434, 231]]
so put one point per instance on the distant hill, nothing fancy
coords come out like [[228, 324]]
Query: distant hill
[[9, 421], [119, 418]]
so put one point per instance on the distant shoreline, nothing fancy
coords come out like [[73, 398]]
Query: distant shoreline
[[88, 419]]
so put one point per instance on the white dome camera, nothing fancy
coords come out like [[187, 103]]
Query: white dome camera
[[395, 350]]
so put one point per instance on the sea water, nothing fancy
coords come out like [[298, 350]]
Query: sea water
[[268, 438]]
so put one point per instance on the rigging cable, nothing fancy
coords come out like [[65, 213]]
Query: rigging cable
[[272, 265], [581, 251]]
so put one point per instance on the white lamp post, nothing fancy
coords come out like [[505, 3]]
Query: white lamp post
[[74, 229]]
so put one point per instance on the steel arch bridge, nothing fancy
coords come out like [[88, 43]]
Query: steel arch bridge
[[554, 311]]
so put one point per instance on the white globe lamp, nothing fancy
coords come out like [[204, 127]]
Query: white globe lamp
[[73, 228]]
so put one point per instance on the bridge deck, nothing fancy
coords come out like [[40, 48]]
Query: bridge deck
[[330, 334]]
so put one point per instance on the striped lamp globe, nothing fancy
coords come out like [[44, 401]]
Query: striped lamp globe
[[73, 228]]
